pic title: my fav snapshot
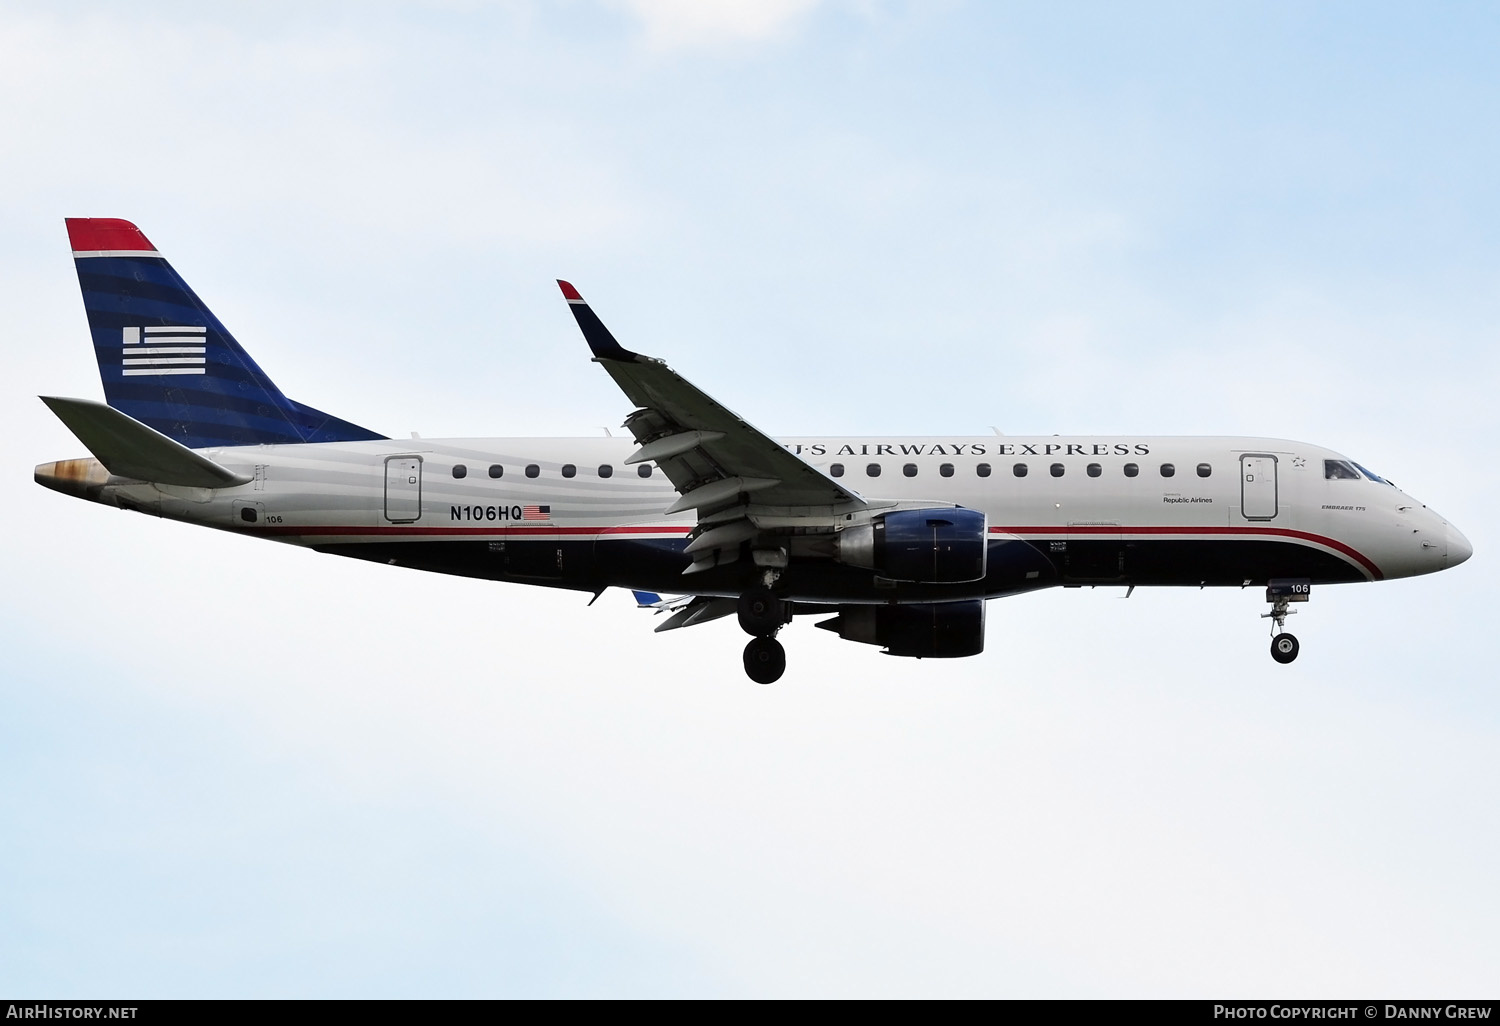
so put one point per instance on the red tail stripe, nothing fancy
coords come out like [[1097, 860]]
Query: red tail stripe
[[91, 234]]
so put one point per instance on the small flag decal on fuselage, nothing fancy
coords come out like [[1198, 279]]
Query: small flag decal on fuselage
[[165, 349], [536, 512]]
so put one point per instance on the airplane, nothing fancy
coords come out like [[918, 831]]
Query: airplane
[[897, 541]]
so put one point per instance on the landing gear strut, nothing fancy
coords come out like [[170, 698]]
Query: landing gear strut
[[763, 613], [1281, 593]]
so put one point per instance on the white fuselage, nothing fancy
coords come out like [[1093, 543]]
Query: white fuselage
[[1221, 491]]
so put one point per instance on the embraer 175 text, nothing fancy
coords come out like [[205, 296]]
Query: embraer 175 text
[[897, 541]]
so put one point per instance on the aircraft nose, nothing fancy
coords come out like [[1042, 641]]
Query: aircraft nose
[[1459, 548]]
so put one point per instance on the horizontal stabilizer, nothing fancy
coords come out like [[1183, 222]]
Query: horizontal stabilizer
[[129, 448]]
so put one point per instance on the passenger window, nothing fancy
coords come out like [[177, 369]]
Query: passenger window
[[1132, 469], [568, 470], [1019, 470], [910, 470], [644, 470], [1339, 470], [496, 470], [1167, 470], [946, 470], [605, 470], [1057, 470], [1204, 470], [459, 470], [248, 515], [983, 470], [835, 470], [1095, 470], [873, 470], [532, 470]]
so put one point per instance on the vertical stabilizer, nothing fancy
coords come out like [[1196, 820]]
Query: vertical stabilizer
[[165, 359]]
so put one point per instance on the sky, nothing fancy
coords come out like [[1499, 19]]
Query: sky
[[236, 769]]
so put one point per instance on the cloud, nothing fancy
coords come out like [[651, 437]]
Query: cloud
[[688, 24]]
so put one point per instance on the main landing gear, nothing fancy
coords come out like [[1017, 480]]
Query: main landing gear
[[762, 614], [765, 660], [1281, 593]]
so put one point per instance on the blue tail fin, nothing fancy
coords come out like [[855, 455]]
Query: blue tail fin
[[167, 361]]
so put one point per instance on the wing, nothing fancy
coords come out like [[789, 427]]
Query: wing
[[719, 463]]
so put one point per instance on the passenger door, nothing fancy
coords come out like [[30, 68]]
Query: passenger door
[[403, 489], [1258, 498]]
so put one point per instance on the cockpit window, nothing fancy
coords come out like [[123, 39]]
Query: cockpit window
[[1339, 470], [1371, 475]]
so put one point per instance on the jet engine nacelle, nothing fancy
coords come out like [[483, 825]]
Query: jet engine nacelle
[[927, 546], [936, 630]]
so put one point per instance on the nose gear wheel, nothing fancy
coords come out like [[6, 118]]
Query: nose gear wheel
[[1284, 648]]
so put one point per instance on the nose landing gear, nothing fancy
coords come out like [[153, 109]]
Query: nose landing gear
[[1281, 593]]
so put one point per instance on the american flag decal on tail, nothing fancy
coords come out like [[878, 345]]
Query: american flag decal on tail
[[536, 512], [164, 350]]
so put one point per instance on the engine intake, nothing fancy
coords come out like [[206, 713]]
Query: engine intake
[[927, 546], [937, 630]]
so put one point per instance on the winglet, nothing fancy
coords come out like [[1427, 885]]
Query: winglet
[[595, 333]]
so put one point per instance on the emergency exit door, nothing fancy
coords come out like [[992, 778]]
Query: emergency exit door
[[403, 489], [1258, 500]]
